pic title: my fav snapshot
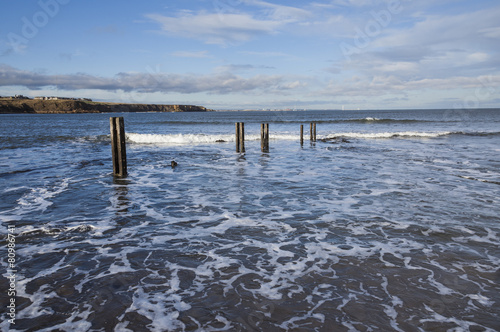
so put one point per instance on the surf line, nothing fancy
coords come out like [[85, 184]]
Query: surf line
[[119, 151]]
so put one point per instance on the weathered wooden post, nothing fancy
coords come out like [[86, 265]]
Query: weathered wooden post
[[264, 137], [237, 137], [118, 147], [312, 131], [240, 137], [266, 129], [301, 134]]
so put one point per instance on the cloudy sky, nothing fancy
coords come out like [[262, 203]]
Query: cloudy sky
[[241, 54]]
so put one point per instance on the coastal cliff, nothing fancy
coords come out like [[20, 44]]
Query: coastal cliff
[[31, 106]]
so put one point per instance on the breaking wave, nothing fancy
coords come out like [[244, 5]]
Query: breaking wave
[[175, 139]]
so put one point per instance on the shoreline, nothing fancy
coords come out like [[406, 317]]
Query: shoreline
[[33, 106]]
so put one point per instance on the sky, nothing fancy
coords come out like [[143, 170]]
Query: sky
[[253, 54]]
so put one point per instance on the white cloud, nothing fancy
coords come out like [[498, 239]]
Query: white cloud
[[453, 59], [219, 29], [398, 67], [188, 54], [355, 3], [266, 54], [220, 82], [493, 32], [294, 85], [230, 24], [234, 68], [477, 57], [440, 52], [445, 31], [282, 13], [387, 85]]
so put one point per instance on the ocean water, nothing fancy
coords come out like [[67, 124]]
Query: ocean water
[[389, 222]]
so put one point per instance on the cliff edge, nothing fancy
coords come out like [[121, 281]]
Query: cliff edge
[[31, 106]]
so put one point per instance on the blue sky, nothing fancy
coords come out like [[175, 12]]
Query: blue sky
[[253, 54]]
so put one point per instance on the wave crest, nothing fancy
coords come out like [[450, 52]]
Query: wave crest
[[180, 139]]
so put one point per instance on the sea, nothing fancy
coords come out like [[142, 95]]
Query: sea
[[389, 221]]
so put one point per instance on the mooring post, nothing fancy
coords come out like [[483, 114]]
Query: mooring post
[[266, 129], [264, 137], [237, 137], [240, 137], [301, 134], [118, 147]]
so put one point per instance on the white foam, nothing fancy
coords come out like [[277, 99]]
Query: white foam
[[181, 139], [483, 300], [37, 299], [403, 134], [190, 139], [462, 325], [227, 324], [176, 138], [122, 327], [491, 238], [157, 308], [38, 199], [390, 311], [76, 322], [291, 323], [478, 179]]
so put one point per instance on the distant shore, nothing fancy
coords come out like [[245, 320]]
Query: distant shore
[[36, 106]]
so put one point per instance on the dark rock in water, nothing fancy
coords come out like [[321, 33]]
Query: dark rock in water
[[173, 163], [85, 163], [83, 228], [220, 141]]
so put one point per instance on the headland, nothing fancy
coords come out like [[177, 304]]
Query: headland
[[55, 105]]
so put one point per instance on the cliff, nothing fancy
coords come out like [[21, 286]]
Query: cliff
[[31, 106]]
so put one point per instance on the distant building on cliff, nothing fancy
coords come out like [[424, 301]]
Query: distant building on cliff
[[61, 98], [20, 97]]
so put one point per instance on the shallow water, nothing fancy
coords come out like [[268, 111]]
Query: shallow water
[[390, 224]]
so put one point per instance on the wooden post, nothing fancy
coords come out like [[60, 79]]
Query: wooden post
[[311, 132], [301, 134], [314, 130], [237, 137], [264, 137], [242, 137], [266, 129], [118, 147]]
